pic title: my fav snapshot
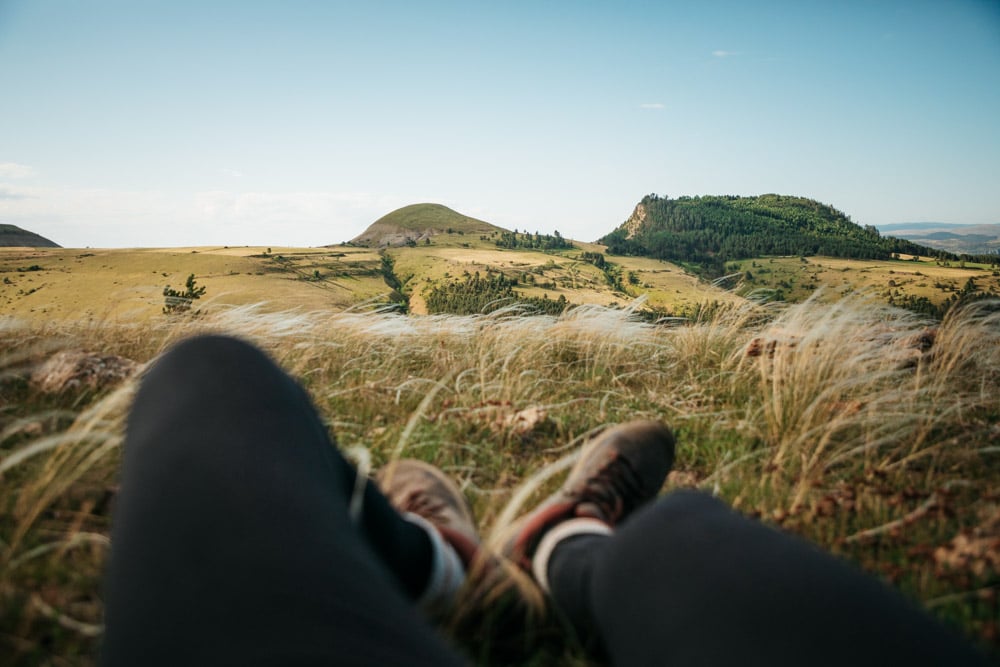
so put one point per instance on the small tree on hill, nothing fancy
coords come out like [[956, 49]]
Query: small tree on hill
[[175, 301]]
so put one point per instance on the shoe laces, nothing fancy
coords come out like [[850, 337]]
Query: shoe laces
[[426, 505], [612, 493]]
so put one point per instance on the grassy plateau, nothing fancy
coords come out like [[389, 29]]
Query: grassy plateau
[[855, 425]]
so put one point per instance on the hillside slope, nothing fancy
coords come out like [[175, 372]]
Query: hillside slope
[[708, 231], [13, 236], [418, 222], [578, 275]]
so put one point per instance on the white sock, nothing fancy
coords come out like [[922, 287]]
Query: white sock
[[555, 535], [447, 571]]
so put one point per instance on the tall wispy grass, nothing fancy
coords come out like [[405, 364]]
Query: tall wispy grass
[[839, 421]]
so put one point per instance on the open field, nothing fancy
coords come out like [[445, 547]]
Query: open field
[[127, 284], [43, 284], [796, 278], [839, 422], [101, 285]]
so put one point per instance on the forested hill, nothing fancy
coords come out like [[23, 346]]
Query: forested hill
[[711, 230]]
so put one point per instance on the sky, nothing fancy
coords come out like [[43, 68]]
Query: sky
[[173, 123]]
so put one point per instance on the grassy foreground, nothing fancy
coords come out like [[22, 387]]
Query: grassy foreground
[[848, 424]]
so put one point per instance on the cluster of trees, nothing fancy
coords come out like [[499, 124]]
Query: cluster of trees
[[708, 231], [387, 269], [535, 241], [477, 294], [595, 258], [612, 272], [993, 259], [920, 304]]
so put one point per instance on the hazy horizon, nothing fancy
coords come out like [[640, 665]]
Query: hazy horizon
[[886, 229]]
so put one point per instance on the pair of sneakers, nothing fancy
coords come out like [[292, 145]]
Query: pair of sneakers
[[619, 470]]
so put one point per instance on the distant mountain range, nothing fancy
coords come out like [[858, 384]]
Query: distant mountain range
[[955, 238], [914, 226], [12, 235]]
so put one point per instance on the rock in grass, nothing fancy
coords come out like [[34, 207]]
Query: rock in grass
[[75, 369]]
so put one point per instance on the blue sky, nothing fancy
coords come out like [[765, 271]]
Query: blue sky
[[299, 123]]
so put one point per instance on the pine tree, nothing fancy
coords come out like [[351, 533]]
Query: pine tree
[[175, 301]]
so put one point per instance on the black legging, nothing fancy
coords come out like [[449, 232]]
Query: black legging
[[232, 544], [231, 538], [688, 581]]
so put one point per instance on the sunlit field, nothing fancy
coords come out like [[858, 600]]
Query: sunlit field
[[797, 278], [61, 284]]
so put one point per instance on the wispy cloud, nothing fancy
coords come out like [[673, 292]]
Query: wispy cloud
[[15, 170], [234, 173], [652, 105], [10, 192], [266, 208], [725, 54]]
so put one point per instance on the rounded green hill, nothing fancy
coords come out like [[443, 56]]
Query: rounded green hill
[[419, 221]]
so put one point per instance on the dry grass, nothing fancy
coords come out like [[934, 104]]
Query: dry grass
[[922, 277], [824, 418], [126, 285]]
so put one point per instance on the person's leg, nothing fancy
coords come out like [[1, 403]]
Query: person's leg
[[687, 580], [231, 541], [425, 495]]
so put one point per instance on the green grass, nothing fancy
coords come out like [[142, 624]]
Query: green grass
[[823, 418], [435, 216], [418, 219]]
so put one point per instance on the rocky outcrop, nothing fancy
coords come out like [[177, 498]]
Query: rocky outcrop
[[908, 352], [384, 235], [72, 370], [636, 222]]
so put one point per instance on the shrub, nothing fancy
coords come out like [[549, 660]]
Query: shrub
[[175, 301]]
